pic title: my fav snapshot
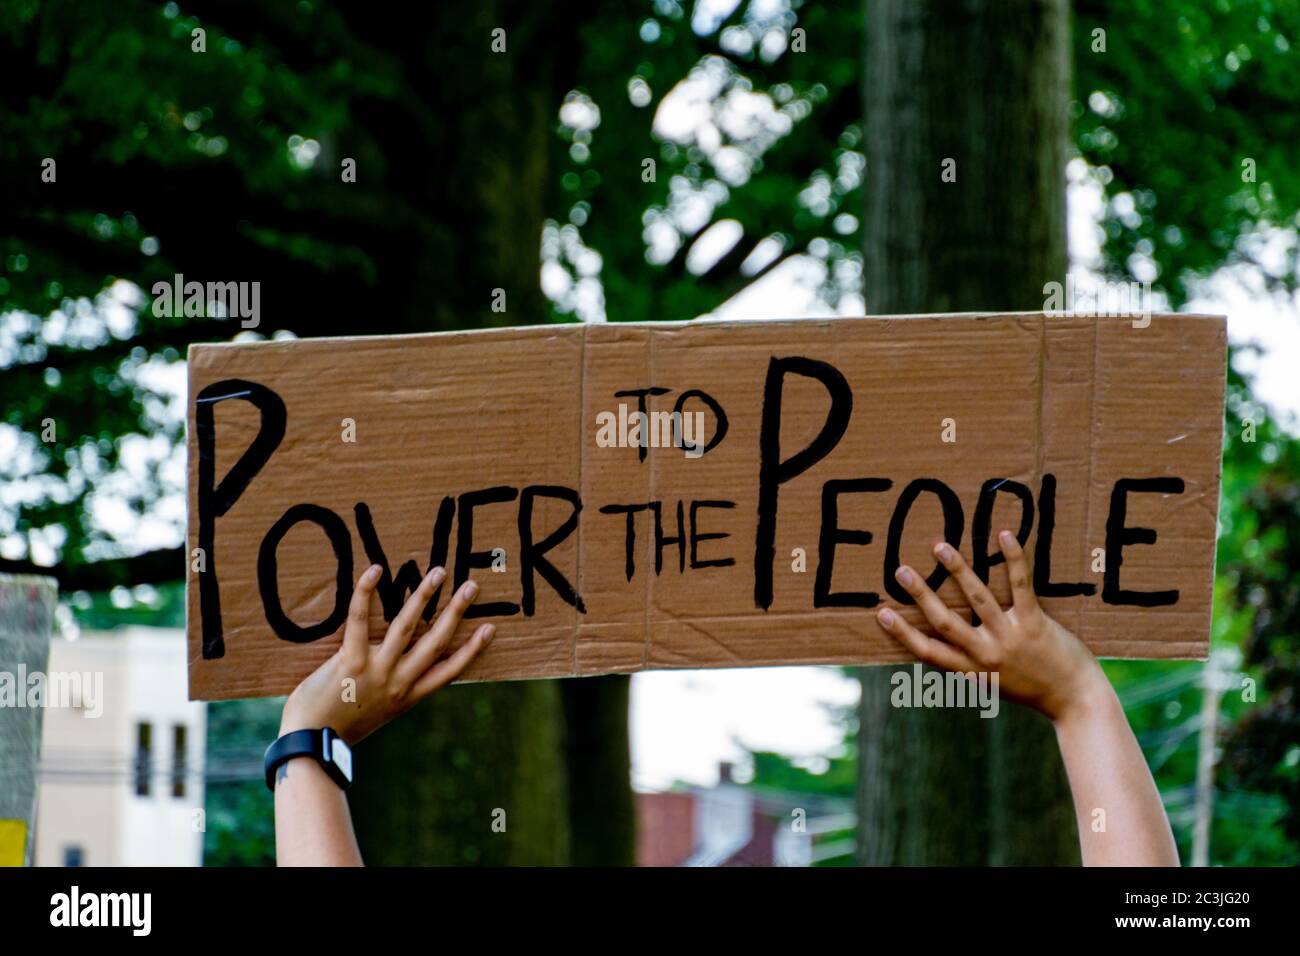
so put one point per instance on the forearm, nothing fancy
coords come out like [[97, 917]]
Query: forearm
[[1121, 818], [312, 824]]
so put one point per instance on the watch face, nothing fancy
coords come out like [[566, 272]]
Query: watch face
[[341, 756]]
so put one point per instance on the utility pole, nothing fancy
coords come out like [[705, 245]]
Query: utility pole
[[27, 606], [1205, 763]]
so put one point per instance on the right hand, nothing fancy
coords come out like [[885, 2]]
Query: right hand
[[1038, 662]]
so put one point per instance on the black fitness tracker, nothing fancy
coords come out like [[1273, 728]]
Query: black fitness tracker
[[324, 744]]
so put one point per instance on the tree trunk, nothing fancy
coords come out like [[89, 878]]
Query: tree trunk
[[473, 776], [602, 815], [984, 83], [481, 774]]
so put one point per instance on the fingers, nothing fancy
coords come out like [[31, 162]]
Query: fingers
[[922, 646], [1022, 593], [399, 632], [356, 632], [442, 674], [432, 644], [977, 593], [942, 618]]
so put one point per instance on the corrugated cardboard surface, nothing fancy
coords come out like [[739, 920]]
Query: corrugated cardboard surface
[[1088, 400]]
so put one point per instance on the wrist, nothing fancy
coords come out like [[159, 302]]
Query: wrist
[[1090, 695], [304, 765], [295, 717]]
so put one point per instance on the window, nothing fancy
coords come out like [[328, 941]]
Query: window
[[143, 758], [180, 760], [74, 856]]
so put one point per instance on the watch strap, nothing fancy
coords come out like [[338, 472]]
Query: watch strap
[[317, 743]]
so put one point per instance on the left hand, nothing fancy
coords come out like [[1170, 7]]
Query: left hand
[[388, 678]]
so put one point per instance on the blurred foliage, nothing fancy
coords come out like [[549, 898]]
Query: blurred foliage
[[225, 165], [1258, 610], [147, 605], [241, 821], [754, 134], [775, 771], [240, 818], [1185, 96], [804, 781]]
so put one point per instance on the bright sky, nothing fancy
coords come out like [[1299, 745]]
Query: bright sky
[[683, 723]]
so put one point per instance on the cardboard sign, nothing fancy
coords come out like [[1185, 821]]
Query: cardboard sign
[[710, 494]]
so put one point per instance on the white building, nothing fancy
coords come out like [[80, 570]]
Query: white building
[[122, 753]]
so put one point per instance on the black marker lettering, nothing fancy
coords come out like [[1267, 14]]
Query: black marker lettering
[[531, 554], [1117, 536], [467, 557], [832, 534], [697, 536], [392, 589], [268, 581], [441, 544], [660, 540], [719, 416], [630, 538], [981, 526], [1043, 585], [772, 471], [215, 500], [952, 531], [641, 406]]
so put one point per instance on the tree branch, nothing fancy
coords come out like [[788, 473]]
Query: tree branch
[[152, 567]]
